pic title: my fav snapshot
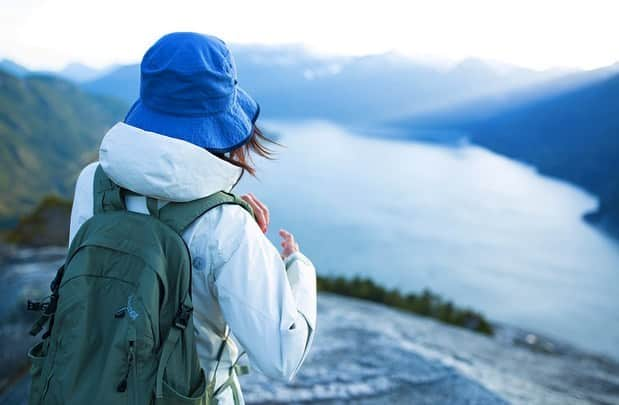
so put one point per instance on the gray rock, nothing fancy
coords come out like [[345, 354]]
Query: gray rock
[[365, 353]]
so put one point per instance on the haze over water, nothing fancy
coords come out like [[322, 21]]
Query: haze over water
[[478, 228]]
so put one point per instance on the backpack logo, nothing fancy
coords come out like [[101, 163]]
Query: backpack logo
[[133, 314]]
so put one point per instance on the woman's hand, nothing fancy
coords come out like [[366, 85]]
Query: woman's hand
[[289, 246], [261, 212]]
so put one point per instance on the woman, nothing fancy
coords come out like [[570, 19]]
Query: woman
[[189, 135]]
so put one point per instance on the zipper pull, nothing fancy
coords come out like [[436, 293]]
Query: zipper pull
[[122, 386], [120, 313]]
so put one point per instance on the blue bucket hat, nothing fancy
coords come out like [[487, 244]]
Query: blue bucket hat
[[189, 91]]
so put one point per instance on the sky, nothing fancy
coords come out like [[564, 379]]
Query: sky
[[539, 34]]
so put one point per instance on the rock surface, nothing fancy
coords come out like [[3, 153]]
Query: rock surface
[[367, 353]]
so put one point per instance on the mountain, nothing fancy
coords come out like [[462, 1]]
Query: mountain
[[49, 128], [484, 107], [78, 72], [13, 68], [75, 72], [291, 83], [568, 129], [574, 136], [122, 82]]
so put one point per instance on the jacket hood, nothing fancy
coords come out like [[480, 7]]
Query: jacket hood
[[162, 167]]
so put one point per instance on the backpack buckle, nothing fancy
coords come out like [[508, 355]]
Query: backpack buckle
[[47, 308], [182, 317], [37, 306]]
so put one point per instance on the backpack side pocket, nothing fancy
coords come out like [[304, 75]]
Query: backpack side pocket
[[40, 380], [173, 397]]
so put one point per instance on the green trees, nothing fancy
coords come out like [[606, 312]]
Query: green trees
[[49, 129], [47, 225], [425, 304]]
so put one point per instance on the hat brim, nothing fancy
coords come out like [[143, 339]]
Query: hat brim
[[218, 132]]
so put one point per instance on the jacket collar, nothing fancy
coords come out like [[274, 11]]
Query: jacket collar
[[162, 167]]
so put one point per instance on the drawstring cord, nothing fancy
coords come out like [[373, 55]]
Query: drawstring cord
[[231, 373]]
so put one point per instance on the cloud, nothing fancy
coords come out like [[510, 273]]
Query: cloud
[[51, 33]]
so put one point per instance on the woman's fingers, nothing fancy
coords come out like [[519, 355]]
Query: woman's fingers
[[287, 238], [260, 211], [264, 208], [289, 246]]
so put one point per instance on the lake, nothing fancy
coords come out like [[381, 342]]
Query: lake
[[476, 227]]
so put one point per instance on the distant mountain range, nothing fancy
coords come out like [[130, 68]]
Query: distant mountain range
[[566, 124], [49, 129], [291, 83], [485, 107], [13, 68], [75, 72], [567, 128], [79, 73], [122, 83]]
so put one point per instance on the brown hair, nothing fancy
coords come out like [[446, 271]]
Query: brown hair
[[242, 156]]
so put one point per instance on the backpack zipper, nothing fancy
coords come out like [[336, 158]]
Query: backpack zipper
[[135, 375], [122, 386]]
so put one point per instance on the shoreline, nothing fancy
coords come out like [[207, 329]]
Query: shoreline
[[529, 339]]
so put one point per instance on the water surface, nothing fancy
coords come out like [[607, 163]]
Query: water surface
[[479, 228]]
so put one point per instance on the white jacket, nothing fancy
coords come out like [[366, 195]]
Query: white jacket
[[239, 279]]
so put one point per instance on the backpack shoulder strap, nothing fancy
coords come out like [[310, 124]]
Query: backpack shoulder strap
[[107, 194], [180, 215]]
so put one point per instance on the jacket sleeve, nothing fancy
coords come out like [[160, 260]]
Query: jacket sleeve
[[82, 208], [270, 305]]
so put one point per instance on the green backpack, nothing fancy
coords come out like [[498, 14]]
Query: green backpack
[[120, 324]]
